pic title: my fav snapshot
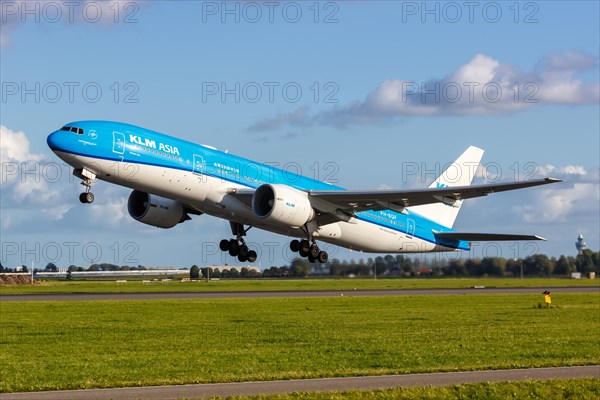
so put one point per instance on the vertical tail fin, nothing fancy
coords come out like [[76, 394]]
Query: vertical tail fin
[[460, 173]]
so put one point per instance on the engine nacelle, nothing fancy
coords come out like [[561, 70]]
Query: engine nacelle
[[283, 205], [155, 210]]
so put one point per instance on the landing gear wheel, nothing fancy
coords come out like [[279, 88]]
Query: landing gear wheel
[[322, 257], [224, 245], [304, 246], [86, 198], [233, 248], [252, 256], [295, 245], [243, 251], [311, 259], [314, 251], [242, 258], [303, 253]]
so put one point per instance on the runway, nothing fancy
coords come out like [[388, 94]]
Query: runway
[[290, 293], [311, 385]]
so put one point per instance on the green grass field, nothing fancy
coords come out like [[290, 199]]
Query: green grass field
[[55, 286], [70, 345], [580, 389]]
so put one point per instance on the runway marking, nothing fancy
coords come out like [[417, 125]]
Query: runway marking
[[312, 385]]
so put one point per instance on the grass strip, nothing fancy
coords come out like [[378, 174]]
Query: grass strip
[[92, 344], [137, 286], [580, 389]]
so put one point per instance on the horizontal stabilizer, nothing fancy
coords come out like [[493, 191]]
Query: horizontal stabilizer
[[484, 237]]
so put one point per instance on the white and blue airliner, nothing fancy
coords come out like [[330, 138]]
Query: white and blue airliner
[[173, 179]]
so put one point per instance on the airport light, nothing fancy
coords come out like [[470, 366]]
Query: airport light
[[520, 266], [375, 271]]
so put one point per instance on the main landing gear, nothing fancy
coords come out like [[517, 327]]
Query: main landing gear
[[305, 249], [237, 247]]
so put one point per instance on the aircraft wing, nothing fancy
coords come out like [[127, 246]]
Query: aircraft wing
[[483, 237], [361, 200], [340, 205]]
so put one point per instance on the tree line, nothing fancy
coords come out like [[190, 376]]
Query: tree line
[[401, 265], [299, 268], [52, 267], [389, 265]]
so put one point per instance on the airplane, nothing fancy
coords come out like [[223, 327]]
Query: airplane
[[173, 179]]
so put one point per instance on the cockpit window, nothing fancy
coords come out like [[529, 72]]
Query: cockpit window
[[73, 129]]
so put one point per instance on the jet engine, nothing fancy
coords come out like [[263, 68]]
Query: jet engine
[[282, 205], [155, 210]]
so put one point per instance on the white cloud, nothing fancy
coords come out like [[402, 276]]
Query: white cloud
[[566, 170], [480, 69], [22, 171], [482, 86], [281, 120], [578, 197], [92, 12], [5, 29], [6, 221], [112, 212], [58, 212], [568, 62], [14, 146], [559, 205]]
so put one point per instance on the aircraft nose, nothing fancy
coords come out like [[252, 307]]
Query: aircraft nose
[[55, 140]]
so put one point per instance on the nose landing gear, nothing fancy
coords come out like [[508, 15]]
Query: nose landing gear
[[86, 197], [87, 178]]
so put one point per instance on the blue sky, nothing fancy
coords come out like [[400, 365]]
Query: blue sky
[[361, 116]]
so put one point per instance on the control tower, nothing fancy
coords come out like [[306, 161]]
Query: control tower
[[580, 244]]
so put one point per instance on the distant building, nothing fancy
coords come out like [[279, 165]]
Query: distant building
[[580, 244]]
